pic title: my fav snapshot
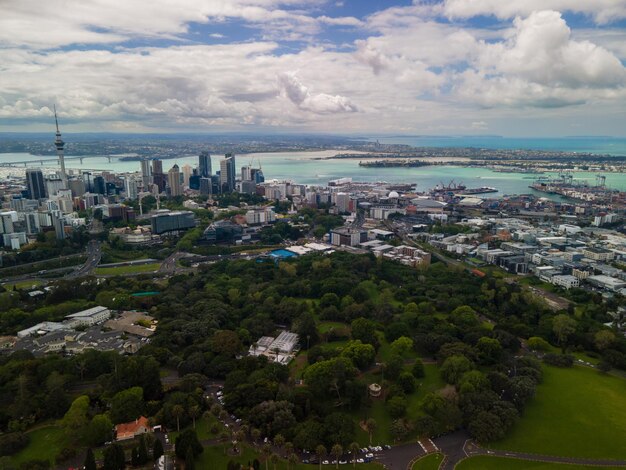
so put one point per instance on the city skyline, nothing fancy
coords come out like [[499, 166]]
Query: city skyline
[[449, 67]]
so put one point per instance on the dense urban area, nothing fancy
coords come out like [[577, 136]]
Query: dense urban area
[[212, 317]]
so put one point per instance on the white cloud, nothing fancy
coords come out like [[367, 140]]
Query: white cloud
[[319, 103], [602, 11], [540, 65]]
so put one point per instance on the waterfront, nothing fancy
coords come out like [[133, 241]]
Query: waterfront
[[307, 168]]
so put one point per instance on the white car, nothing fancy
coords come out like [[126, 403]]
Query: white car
[[360, 461], [343, 462], [365, 450], [369, 456], [325, 462]]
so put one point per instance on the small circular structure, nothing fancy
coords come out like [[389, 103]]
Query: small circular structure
[[375, 390], [393, 194]]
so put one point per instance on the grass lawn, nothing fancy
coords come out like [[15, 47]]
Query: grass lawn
[[203, 429], [577, 412], [430, 462], [378, 411], [484, 462], [213, 457], [27, 284], [45, 444], [132, 269], [326, 326]]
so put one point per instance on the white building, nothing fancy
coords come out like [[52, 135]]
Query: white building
[[565, 281], [89, 317]]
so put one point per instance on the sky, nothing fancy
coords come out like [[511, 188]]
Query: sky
[[533, 68]]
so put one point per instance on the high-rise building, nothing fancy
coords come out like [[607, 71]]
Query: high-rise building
[[246, 173], [205, 186], [78, 187], [35, 184], [59, 144], [257, 175], [130, 188], [53, 186], [228, 173], [204, 165], [186, 171], [98, 185], [157, 167], [145, 173], [173, 180]]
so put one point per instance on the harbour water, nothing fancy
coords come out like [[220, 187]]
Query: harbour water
[[307, 168]]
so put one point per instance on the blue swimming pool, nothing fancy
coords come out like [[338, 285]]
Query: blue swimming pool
[[282, 254]]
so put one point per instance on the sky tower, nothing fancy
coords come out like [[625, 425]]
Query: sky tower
[[59, 144]]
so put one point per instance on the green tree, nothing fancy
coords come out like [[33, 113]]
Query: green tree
[[178, 411], [320, 451], [418, 369], [90, 460], [406, 380], [354, 450], [454, 367], [142, 451], [114, 457], [402, 345], [127, 405], [563, 326], [361, 355], [75, 420], [336, 452], [537, 343], [603, 339], [489, 350], [157, 449], [100, 430], [396, 406], [188, 439], [364, 330], [370, 425]]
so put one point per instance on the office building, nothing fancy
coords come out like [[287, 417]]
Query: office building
[[130, 188], [187, 171], [204, 165], [146, 174], [172, 221], [205, 186], [77, 186], [98, 185], [173, 181], [35, 184], [228, 173]]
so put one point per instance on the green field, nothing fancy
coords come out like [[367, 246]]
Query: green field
[[484, 462], [45, 444], [430, 462], [27, 284], [213, 457], [577, 412], [131, 269], [378, 411]]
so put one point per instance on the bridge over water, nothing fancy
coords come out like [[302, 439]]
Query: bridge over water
[[42, 161]]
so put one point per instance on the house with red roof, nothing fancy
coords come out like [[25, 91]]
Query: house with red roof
[[130, 430]]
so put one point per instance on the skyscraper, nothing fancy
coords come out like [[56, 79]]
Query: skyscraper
[[187, 171], [35, 184], [130, 187], [204, 165], [158, 177], [145, 173], [98, 185], [157, 167], [173, 180], [59, 144], [227, 173]]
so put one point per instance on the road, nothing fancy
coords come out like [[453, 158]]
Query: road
[[94, 254]]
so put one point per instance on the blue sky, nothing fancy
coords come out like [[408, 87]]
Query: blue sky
[[515, 67]]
